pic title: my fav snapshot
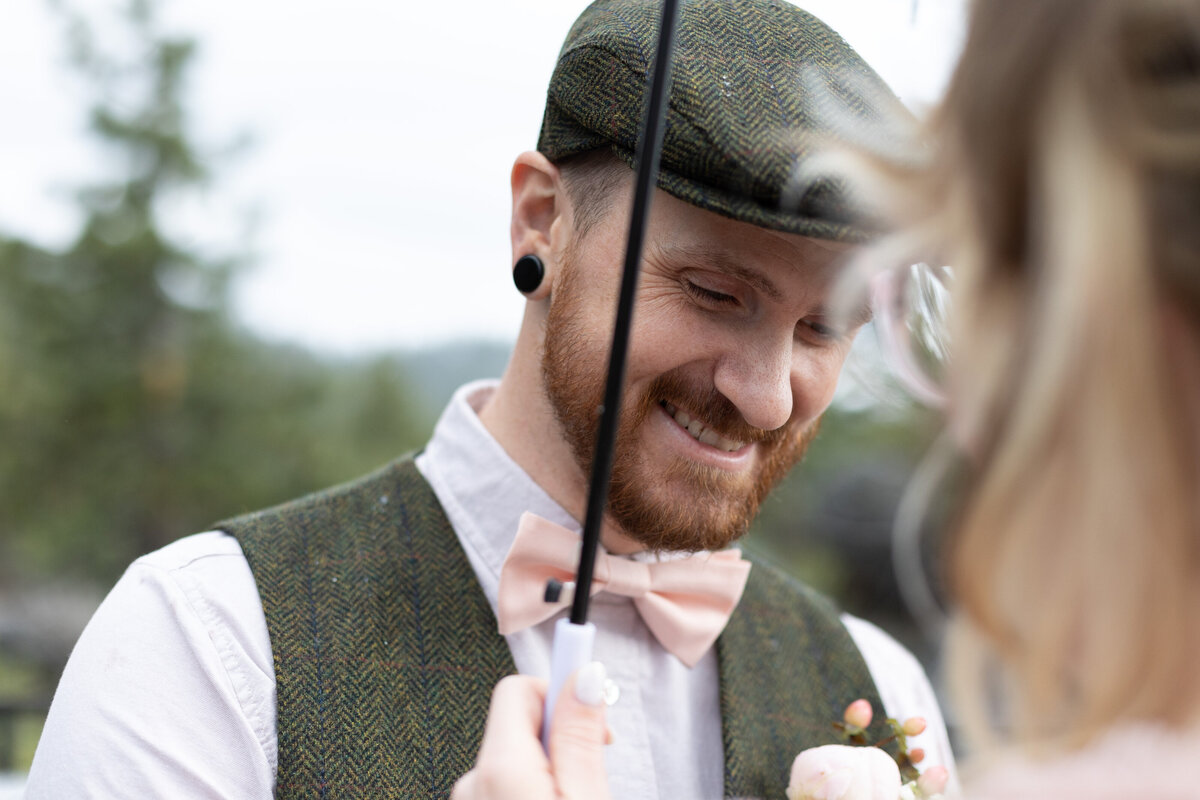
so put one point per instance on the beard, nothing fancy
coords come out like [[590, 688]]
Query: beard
[[684, 506]]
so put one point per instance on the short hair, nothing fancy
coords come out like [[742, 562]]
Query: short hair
[[590, 178]]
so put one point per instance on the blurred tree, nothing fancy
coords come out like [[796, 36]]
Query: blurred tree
[[134, 411]]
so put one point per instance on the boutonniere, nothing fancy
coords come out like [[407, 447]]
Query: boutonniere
[[860, 770]]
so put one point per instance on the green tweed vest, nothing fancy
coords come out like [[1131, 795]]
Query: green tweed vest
[[386, 650]]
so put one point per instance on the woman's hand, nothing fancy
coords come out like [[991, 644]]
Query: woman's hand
[[511, 763]]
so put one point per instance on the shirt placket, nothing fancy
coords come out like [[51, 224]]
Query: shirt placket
[[622, 644]]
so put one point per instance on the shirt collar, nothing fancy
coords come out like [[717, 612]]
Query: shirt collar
[[483, 491]]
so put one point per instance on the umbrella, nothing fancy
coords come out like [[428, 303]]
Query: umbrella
[[573, 637]]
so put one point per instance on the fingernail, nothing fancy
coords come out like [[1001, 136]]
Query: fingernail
[[612, 692], [589, 683]]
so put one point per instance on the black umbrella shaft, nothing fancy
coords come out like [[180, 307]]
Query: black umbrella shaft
[[647, 158]]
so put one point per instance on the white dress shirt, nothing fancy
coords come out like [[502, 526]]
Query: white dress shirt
[[170, 691]]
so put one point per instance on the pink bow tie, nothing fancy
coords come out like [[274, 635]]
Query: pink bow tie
[[684, 602]]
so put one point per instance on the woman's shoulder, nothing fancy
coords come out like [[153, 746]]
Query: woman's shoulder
[[1142, 761]]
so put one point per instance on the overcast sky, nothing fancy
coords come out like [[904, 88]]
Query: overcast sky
[[383, 135]]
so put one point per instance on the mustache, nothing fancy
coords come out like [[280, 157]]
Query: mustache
[[707, 404]]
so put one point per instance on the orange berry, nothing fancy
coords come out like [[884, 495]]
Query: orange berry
[[916, 755], [858, 714]]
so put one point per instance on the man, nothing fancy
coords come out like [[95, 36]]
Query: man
[[346, 644]]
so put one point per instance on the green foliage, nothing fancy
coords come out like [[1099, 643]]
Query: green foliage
[[19, 733], [27, 730], [134, 411], [17, 678]]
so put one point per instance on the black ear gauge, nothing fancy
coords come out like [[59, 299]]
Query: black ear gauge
[[528, 273]]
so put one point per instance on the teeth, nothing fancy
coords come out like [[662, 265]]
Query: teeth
[[700, 432]]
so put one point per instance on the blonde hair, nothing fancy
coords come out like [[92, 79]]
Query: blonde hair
[[1064, 188]]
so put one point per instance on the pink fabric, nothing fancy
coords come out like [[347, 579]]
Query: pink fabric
[[1136, 762], [684, 602]]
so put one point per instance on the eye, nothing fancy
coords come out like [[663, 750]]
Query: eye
[[708, 296], [822, 331]]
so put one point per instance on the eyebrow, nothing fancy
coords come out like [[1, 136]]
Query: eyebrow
[[861, 314], [689, 255]]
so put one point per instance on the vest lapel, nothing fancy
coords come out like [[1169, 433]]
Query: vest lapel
[[385, 648], [453, 637], [788, 670]]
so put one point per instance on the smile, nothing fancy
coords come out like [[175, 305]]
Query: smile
[[700, 431]]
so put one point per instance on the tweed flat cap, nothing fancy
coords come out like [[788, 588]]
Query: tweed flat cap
[[757, 86]]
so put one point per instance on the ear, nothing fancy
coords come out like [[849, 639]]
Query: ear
[[537, 214]]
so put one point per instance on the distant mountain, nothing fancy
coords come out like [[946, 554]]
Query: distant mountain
[[436, 372]]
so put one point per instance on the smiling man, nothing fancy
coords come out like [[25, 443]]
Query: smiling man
[[346, 644], [733, 358]]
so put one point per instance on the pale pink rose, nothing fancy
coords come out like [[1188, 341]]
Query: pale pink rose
[[840, 772]]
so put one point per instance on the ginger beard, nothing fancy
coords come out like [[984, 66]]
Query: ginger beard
[[687, 506]]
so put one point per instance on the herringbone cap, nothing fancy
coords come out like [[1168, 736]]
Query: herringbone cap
[[758, 87]]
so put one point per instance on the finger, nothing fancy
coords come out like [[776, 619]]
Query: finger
[[464, 788], [515, 720], [511, 763], [578, 735]]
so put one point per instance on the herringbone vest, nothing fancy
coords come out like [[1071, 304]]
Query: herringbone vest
[[386, 650]]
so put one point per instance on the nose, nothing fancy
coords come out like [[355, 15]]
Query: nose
[[757, 378]]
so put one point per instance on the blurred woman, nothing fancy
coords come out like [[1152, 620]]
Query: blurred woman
[[1064, 188], [1061, 179]]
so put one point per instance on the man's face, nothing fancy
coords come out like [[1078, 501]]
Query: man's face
[[733, 357]]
